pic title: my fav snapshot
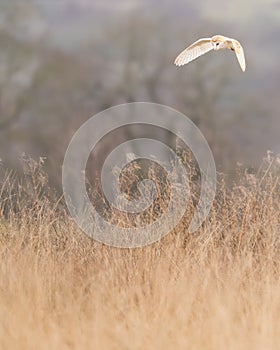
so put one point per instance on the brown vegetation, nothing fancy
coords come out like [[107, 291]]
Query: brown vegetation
[[216, 289]]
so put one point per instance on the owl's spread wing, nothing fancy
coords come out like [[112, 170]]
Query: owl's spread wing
[[198, 48], [239, 53]]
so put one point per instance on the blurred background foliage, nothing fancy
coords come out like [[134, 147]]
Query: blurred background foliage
[[62, 61]]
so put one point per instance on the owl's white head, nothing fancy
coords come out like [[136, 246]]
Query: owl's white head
[[216, 42]]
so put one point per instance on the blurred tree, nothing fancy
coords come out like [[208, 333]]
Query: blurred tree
[[47, 92]]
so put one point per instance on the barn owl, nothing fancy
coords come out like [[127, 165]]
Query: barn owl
[[217, 42]]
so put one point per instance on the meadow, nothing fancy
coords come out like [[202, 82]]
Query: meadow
[[218, 288]]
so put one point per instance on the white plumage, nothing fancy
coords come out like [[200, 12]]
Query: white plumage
[[204, 45]]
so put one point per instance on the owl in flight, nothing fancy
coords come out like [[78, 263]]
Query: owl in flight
[[217, 42]]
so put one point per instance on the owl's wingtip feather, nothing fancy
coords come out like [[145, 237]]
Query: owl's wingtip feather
[[177, 62]]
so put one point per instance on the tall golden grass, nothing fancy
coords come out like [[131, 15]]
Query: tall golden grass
[[216, 289]]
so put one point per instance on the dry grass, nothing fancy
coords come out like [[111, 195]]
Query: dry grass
[[216, 289]]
